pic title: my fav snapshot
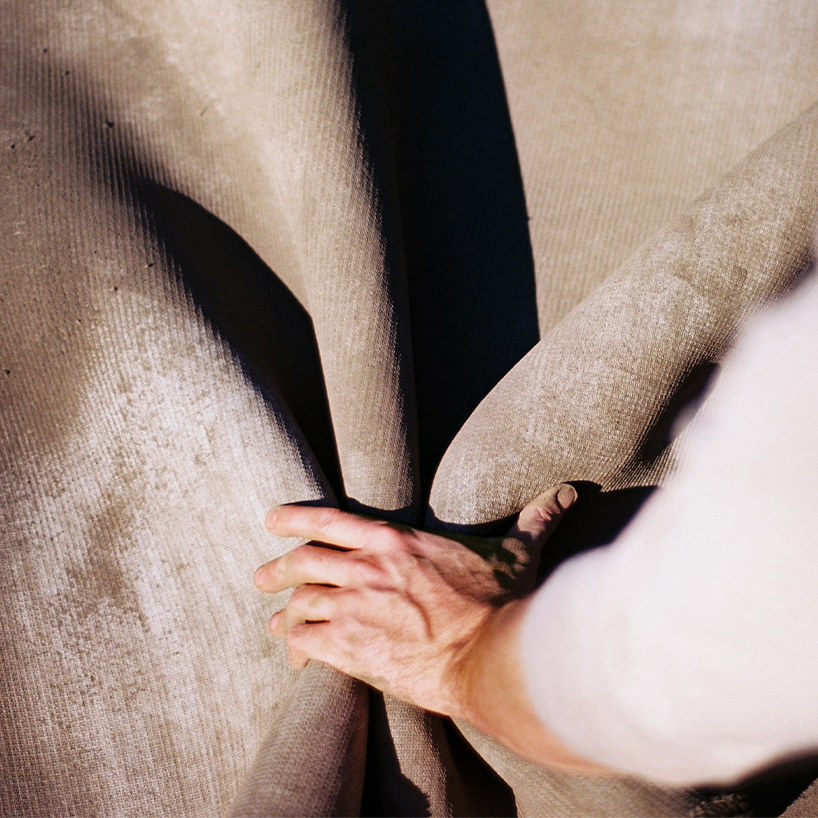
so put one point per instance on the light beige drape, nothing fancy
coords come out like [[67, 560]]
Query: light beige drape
[[421, 259]]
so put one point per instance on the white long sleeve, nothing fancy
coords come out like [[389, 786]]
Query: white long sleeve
[[687, 650]]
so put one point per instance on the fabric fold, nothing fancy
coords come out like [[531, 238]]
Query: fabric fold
[[256, 253], [584, 403]]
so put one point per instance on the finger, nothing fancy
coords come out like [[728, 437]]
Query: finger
[[309, 603], [274, 625], [297, 658], [305, 564], [538, 520], [317, 641], [326, 525], [330, 643]]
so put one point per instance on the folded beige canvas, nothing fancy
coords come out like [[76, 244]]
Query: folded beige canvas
[[421, 259]]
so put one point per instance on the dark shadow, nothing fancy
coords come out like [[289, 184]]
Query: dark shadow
[[472, 786], [771, 791], [463, 215], [476, 785], [265, 326], [684, 401], [268, 331], [387, 791], [595, 519]]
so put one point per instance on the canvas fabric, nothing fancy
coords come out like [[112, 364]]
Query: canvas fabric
[[264, 252]]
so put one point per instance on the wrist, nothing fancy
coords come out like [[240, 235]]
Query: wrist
[[493, 696], [486, 672]]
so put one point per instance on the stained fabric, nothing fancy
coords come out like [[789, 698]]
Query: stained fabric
[[418, 261]]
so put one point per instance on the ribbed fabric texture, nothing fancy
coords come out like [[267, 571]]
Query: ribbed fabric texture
[[255, 253], [588, 402]]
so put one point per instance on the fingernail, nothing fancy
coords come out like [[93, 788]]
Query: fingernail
[[258, 578], [274, 622], [270, 519], [566, 496]]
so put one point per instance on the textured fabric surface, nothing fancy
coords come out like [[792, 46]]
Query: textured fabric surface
[[259, 252], [554, 793], [593, 400], [625, 112]]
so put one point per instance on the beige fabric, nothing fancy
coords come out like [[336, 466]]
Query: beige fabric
[[258, 252], [581, 404], [541, 792], [288, 776], [625, 112]]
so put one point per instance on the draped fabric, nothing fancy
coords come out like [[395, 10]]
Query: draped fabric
[[421, 260]]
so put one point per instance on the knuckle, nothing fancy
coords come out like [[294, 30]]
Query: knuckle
[[398, 560], [392, 539], [325, 518], [294, 561], [300, 596], [392, 571], [539, 514], [282, 566], [371, 573], [547, 512], [298, 635], [297, 557], [345, 630]]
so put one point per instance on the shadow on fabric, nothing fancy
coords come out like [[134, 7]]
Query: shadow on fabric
[[595, 519], [473, 787], [445, 131], [242, 299]]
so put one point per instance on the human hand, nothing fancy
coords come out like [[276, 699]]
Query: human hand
[[397, 607]]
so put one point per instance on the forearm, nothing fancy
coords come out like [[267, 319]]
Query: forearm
[[495, 698]]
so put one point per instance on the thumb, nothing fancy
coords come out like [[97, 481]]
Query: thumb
[[538, 520]]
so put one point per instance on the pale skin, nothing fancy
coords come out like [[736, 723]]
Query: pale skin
[[426, 617]]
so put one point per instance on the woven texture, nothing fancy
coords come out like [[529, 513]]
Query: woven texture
[[421, 260]]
